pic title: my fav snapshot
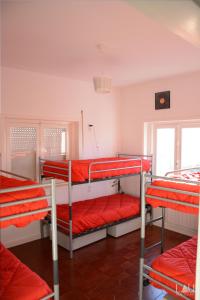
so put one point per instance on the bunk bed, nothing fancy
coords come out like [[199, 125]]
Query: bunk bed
[[23, 201], [92, 217], [177, 270]]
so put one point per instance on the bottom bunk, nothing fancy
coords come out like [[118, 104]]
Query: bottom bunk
[[178, 263], [17, 281], [93, 219], [97, 212]]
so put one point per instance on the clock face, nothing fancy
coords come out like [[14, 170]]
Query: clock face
[[162, 100]]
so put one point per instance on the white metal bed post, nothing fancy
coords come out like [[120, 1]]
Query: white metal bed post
[[54, 241], [163, 230], [40, 170], [197, 288], [142, 235], [70, 207], [40, 181]]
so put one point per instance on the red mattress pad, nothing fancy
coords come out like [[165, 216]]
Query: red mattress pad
[[178, 263], [80, 168], [100, 211], [17, 281], [173, 195], [6, 182]]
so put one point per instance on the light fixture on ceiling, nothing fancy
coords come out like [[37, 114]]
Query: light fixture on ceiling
[[102, 84]]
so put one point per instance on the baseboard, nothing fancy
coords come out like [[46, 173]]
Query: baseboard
[[179, 228]]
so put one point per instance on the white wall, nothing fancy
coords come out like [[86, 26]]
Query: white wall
[[137, 107], [38, 95], [27, 94]]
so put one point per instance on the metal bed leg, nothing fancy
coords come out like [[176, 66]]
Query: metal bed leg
[[40, 170], [70, 239], [197, 288], [118, 186], [141, 279], [54, 242], [149, 212], [41, 221], [41, 229], [142, 249], [163, 230], [70, 208]]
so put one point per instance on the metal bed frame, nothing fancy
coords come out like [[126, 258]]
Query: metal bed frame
[[144, 278], [70, 185], [52, 208]]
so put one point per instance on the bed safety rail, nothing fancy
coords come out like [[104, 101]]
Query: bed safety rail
[[92, 164], [197, 168], [14, 175], [52, 174], [53, 170]]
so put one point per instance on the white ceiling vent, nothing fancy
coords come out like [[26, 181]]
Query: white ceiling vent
[[102, 84]]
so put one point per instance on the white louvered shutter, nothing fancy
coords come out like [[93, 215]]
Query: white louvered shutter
[[54, 142], [23, 147]]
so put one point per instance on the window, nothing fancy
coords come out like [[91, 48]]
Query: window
[[175, 146], [54, 142], [165, 146], [28, 140]]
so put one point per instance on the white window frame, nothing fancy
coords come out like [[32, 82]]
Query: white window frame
[[44, 125], [72, 149], [150, 142]]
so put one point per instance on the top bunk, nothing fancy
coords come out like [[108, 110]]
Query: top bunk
[[179, 190], [92, 170], [22, 200]]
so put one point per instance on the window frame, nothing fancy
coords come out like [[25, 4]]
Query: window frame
[[72, 150], [150, 138], [44, 125]]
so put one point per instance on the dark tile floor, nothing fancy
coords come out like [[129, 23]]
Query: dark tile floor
[[106, 270]]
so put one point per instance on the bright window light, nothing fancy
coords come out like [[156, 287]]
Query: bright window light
[[190, 148], [165, 150]]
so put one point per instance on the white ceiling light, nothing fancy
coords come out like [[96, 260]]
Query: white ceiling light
[[102, 84]]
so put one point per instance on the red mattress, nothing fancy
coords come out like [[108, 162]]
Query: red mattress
[[178, 263], [6, 182], [17, 281], [80, 168], [97, 212], [174, 195]]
